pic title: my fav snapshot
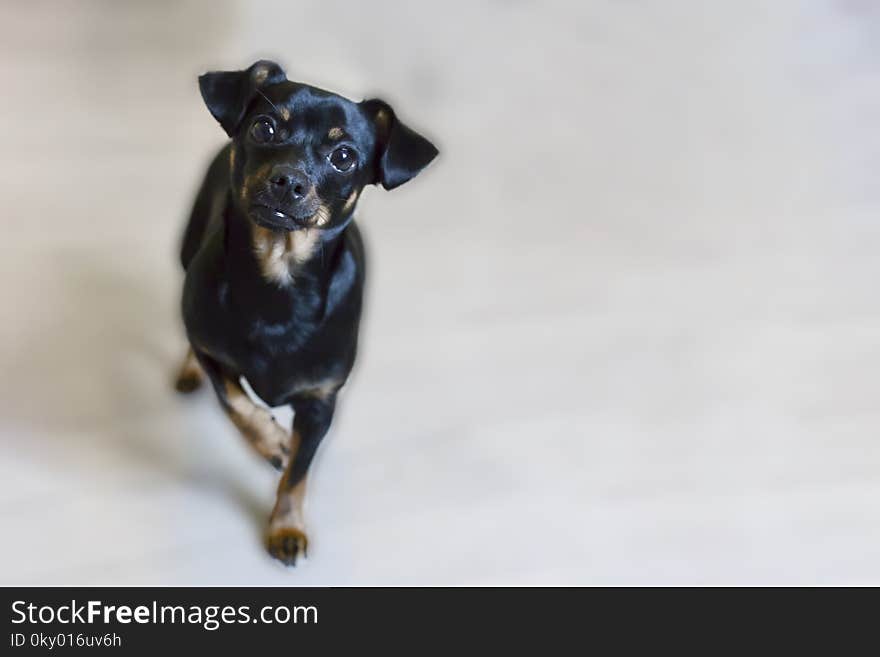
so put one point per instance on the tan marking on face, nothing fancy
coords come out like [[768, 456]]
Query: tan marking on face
[[253, 181], [350, 201], [335, 133], [257, 425], [190, 375], [322, 215], [256, 178], [285, 113]]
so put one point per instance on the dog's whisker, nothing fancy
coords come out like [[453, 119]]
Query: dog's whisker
[[269, 101]]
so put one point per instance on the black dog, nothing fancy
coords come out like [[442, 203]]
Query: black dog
[[275, 264]]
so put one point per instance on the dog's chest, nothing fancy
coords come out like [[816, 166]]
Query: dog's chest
[[234, 318], [279, 254], [281, 337]]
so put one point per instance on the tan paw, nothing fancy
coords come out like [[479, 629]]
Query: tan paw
[[281, 458], [269, 438], [286, 544], [190, 376]]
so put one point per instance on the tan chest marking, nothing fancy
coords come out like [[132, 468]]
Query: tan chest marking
[[280, 253]]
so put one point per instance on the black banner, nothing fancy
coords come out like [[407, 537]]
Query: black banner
[[148, 620]]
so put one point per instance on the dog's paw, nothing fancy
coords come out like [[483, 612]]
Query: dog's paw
[[286, 544], [259, 427], [188, 382], [279, 461], [189, 376]]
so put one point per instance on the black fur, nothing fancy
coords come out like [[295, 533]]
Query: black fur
[[286, 338]]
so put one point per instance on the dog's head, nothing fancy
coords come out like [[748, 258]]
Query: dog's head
[[301, 155]]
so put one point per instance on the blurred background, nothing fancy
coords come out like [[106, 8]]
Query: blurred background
[[625, 330]]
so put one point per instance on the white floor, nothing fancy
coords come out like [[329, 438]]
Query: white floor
[[626, 330]]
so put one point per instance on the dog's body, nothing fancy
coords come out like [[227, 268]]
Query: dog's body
[[283, 339], [275, 264]]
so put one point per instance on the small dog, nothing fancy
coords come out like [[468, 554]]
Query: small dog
[[275, 264]]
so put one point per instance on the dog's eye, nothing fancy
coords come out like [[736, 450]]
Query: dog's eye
[[263, 131], [343, 158]]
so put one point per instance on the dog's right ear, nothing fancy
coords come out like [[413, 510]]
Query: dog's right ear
[[228, 93], [402, 152]]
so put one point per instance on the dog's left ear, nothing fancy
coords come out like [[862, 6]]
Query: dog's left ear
[[228, 93], [401, 151]]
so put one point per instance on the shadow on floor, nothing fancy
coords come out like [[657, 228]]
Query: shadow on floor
[[97, 376]]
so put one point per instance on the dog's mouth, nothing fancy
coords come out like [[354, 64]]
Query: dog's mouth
[[277, 219]]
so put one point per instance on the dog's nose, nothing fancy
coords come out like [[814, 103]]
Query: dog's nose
[[288, 180]]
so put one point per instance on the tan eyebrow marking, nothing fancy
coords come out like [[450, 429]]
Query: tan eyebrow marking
[[285, 113], [335, 133]]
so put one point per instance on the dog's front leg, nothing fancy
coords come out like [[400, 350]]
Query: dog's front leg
[[254, 422], [287, 530]]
